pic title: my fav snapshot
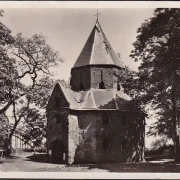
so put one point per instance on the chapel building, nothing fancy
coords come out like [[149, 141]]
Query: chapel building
[[94, 121]]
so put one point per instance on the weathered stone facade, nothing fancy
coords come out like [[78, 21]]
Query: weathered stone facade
[[94, 121], [101, 141], [91, 76]]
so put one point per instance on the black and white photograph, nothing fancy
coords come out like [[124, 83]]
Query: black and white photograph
[[89, 89]]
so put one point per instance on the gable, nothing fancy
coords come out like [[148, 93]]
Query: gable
[[57, 99]]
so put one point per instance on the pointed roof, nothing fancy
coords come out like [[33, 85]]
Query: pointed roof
[[97, 50], [97, 99]]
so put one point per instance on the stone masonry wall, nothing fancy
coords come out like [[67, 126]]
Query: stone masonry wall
[[57, 120], [80, 75], [107, 77], [91, 77], [114, 142], [73, 137]]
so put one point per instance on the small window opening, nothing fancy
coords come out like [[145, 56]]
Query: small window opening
[[101, 85], [105, 144], [105, 119], [123, 120], [118, 87]]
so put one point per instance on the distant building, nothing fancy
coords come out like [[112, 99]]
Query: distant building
[[18, 142], [94, 121]]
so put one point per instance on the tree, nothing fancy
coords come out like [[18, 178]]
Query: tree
[[29, 113], [31, 57], [7, 69], [4, 129], [24, 58], [158, 80], [34, 128]]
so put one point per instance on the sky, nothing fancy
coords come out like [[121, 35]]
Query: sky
[[68, 29]]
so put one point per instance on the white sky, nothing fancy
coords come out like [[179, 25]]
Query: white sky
[[68, 29]]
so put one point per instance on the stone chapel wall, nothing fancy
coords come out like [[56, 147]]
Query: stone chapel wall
[[91, 76], [57, 120], [117, 141], [78, 76]]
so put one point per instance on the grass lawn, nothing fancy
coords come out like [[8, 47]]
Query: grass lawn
[[37, 163]]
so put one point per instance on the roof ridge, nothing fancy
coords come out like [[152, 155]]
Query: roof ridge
[[97, 50], [106, 39], [92, 51]]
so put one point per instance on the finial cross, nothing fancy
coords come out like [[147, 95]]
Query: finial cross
[[97, 14]]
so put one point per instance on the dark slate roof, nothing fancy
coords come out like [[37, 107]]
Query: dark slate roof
[[97, 99], [97, 50]]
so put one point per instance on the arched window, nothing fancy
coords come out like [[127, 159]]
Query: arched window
[[118, 87], [101, 84]]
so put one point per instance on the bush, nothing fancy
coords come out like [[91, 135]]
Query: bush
[[164, 150]]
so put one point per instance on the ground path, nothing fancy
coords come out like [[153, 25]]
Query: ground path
[[23, 164]]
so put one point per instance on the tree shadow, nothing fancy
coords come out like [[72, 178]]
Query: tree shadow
[[38, 158], [155, 167], [1, 161]]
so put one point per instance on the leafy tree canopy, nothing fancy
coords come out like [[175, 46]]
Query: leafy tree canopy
[[158, 80], [26, 65]]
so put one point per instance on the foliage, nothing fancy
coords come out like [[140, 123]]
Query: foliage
[[7, 68], [4, 129], [26, 65], [158, 80], [160, 148], [33, 117], [34, 127]]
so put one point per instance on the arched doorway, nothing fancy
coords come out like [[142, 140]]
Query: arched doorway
[[57, 152]]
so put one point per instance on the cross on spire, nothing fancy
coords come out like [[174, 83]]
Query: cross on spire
[[97, 14]]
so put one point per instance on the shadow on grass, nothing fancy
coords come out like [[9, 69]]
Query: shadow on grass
[[156, 165], [1, 161], [158, 157], [38, 158]]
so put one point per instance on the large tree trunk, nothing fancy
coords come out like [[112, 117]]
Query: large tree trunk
[[175, 122], [5, 108], [7, 144], [177, 144]]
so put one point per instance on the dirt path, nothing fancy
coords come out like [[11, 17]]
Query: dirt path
[[23, 164]]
